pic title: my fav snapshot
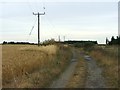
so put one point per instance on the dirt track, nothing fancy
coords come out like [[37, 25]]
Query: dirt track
[[94, 79], [64, 77]]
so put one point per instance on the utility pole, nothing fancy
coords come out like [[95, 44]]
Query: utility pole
[[59, 38], [38, 14], [64, 38]]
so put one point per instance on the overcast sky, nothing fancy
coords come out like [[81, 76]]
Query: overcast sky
[[74, 19]]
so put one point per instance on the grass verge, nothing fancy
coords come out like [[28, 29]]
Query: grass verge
[[107, 59]]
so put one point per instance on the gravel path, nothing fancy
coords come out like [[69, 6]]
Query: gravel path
[[62, 81], [94, 79]]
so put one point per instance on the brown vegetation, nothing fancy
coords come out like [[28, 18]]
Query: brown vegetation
[[0, 66], [79, 77], [29, 66], [107, 58]]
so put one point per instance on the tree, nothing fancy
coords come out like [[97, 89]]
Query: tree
[[49, 42], [117, 37], [107, 41], [4, 42], [112, 39], [115, 41]]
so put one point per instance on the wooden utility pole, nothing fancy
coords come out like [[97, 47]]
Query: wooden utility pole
[[64, 38], [59, 38], [38, 25]]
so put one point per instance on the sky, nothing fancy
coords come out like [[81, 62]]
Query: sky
[[74, 19]]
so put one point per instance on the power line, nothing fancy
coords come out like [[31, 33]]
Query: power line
[[64, 38], [30, 8], [50, 24], [33, 27], [59, 38], [38, 14]]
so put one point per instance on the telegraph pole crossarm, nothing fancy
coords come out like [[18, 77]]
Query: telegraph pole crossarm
[[38, 25]]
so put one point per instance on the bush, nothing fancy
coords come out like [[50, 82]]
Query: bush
[[4, 42], [49, 42], [88, 46], [78, 45]]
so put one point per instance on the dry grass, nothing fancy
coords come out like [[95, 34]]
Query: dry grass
[[50, 49], [79, 77], [107, 58], [29, 66], [0, 66]]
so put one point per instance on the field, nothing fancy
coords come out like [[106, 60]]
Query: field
[[107, 59], [28, 66]]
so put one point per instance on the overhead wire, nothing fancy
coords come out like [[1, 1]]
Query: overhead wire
[[33, 27], [48, 21], [43, 7], [31, 10]]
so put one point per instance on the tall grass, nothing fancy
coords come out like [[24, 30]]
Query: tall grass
[[0, 66], [107, 59], [26, 66]]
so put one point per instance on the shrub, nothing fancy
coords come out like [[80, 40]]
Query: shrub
[[49, 42], [88, 46]]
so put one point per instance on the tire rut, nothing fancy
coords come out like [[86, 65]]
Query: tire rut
[[95, 78], [62, 81]]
